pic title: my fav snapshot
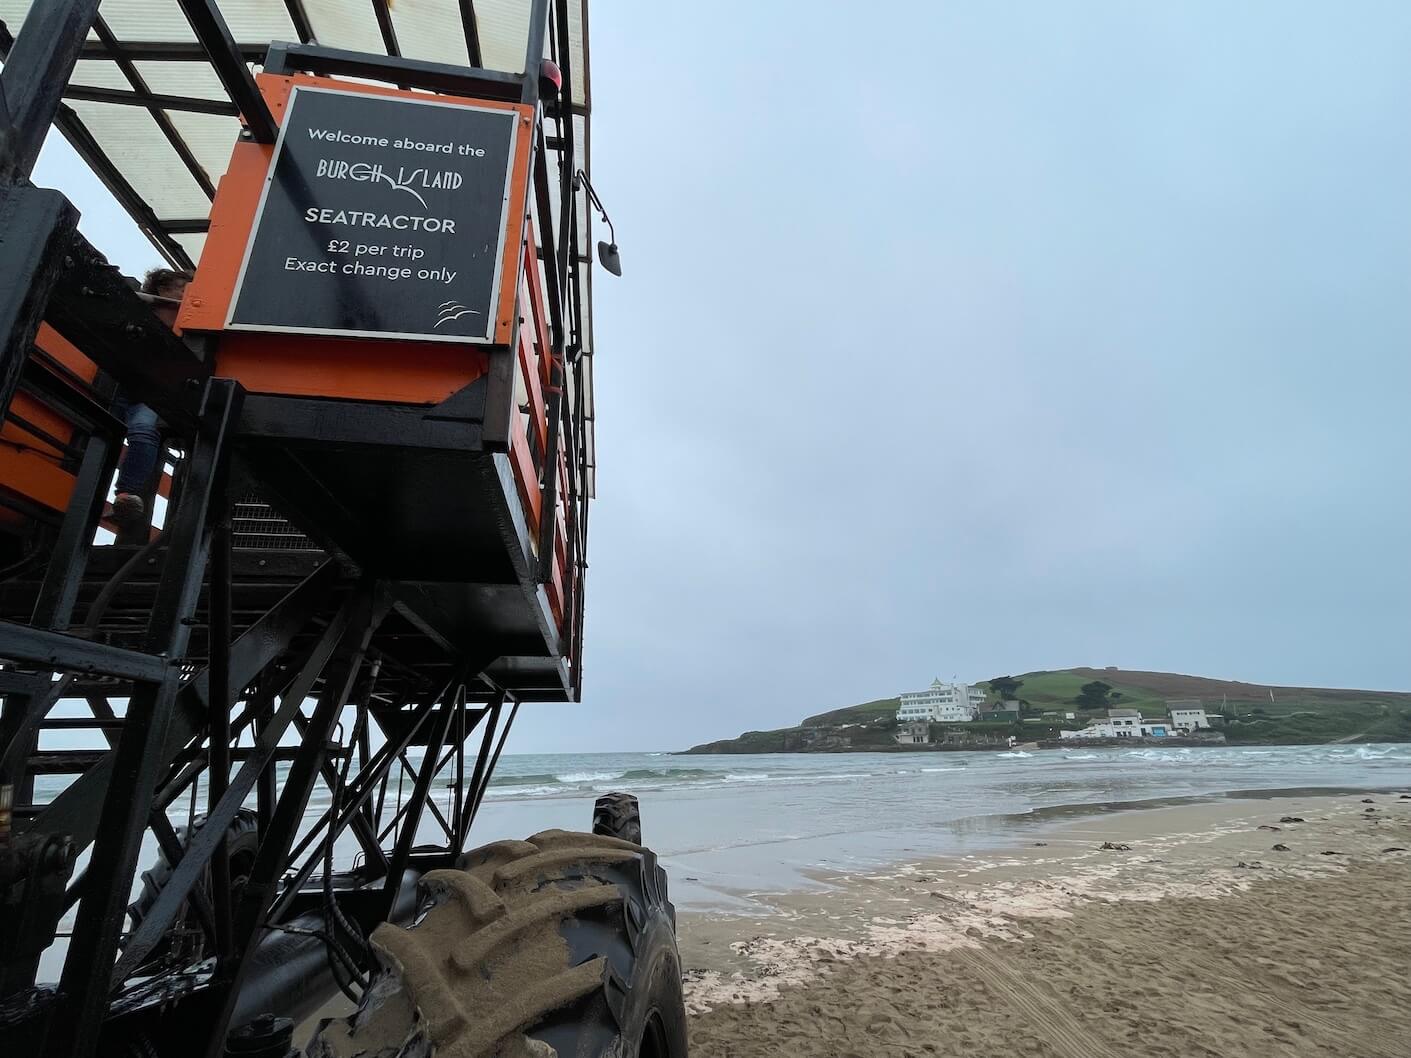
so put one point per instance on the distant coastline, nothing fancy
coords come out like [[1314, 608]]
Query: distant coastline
[[1244, 714]]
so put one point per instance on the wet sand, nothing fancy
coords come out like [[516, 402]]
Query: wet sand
[[1199, 939]]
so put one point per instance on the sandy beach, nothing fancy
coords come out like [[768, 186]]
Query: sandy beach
[[1217, 929]]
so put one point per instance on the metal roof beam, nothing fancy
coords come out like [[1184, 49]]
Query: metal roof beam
[[471, 26], [534, 49], [119, 97], [384, 24], [300, 18], [414, 73], [229, 64], [169, 51], [37, 66]]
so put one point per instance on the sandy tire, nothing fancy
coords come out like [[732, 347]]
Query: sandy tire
[[617, 815], [243, 843], [561, 945]]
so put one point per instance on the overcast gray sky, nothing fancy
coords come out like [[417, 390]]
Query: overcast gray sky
[[974, 338]]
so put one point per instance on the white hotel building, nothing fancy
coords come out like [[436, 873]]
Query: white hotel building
[[944, 703]]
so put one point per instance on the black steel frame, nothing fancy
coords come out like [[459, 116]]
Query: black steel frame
[[216, 659]]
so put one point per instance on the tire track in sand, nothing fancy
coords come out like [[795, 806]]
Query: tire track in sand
[[1047, 1014], [1298, 1016]]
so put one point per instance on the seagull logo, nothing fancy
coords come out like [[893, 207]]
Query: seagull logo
[[453, 310], [402, 187]]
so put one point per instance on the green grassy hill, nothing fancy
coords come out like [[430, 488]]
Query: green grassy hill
[[1047, 691], [1252, 712], [854, 714]]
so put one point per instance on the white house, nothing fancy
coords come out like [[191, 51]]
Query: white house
[[914, 733], [946, 703], [1126, 723], [1123, 723], [1187, 714], [1095, 729]]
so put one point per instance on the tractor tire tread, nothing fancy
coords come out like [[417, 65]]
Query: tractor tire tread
[[525, 946]]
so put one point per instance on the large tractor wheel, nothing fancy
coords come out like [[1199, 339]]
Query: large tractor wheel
[[618, 816], [561, 945], [242, 843]]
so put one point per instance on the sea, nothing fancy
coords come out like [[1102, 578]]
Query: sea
[[761, 821], [730, 828]]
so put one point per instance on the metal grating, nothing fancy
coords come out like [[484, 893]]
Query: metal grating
[[256, 526]]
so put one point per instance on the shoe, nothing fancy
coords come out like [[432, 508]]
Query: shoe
[[127, 509]]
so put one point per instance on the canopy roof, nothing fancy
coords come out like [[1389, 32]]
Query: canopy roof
[[147, 110]]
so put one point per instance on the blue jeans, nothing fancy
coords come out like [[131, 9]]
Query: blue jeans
[[143, 446]]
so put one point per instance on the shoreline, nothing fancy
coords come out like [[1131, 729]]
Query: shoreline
[[1000, 832], [1064, 900], [1033, 746]]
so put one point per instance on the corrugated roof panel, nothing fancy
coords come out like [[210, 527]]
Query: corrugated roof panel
[[100, 73], [345, 24], [590, 446], [431, 30], [210, 138], [250, 21], [195, 80], [253, 21], [587, 324], [579, 85], [580, 161], [146, 20], [192, 244], [504, 33], [129, 136]]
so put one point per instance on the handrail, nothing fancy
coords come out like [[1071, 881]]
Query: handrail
[[529, 432]]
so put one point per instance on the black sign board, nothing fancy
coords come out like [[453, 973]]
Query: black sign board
[[382, 217]]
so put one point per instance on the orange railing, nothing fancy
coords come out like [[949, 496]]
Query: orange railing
[[36, 442]]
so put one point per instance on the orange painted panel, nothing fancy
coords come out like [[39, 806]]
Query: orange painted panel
[[29, 464], [65, 352], [400, 372], [555, 592], [357, 369], [44, 418], [524, 478], [34, 476], [538, 415], [535, 303]]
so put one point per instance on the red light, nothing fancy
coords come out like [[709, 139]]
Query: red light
[[549, 71]]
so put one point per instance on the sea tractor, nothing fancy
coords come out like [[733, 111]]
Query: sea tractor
[[252, 708]]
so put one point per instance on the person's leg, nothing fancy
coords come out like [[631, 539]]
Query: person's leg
[[143, 450]]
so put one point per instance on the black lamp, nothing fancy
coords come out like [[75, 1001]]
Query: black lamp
[[607, 251]]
